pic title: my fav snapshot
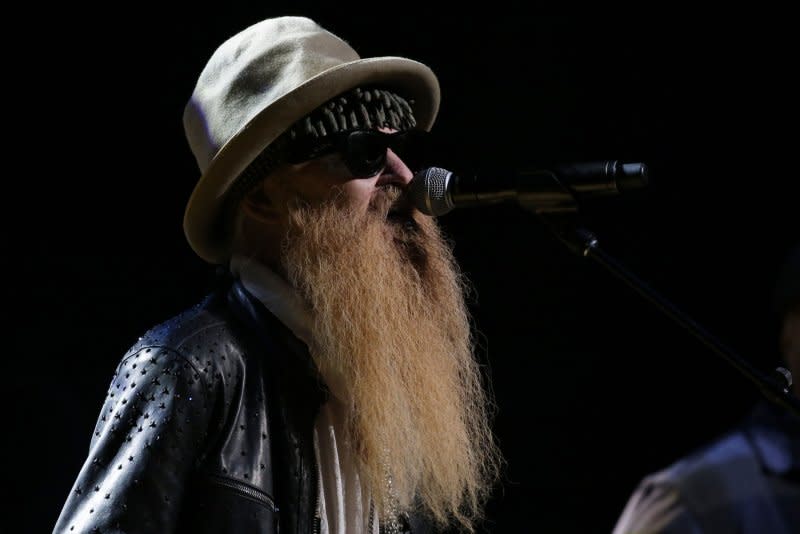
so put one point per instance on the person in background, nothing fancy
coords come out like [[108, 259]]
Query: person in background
[[747, 481], [330, 384]]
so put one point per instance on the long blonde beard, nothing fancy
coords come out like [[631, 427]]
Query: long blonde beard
[[392, 331]]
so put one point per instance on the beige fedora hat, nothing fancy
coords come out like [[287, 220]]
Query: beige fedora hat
[[255, 86]]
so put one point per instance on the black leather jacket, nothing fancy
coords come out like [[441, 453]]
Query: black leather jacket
[[207, 427]]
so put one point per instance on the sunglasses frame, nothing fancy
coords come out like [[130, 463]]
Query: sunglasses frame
[[362, 151]]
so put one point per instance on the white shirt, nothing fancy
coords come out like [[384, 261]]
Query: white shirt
[[343, 506]]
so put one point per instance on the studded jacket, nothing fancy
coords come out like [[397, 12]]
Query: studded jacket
[[207, 427]]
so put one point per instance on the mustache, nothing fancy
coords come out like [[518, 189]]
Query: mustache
[[393, 204], [390, 199]]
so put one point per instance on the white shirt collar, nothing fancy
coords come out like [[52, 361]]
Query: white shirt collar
[[275, 293]]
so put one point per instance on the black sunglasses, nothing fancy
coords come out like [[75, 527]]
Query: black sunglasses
[[364, 151]]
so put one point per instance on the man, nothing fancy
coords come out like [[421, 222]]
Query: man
[[747, 481], [330, 386]]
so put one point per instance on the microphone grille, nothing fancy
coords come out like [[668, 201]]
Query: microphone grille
[[429, 193]]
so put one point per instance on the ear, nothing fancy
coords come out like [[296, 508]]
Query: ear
[[258, 205]]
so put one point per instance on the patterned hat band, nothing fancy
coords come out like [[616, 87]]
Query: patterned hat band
[[362, 108]]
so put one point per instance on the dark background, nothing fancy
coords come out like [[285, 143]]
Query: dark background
[[594, 386]]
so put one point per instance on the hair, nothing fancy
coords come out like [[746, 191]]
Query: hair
[[392, 337]]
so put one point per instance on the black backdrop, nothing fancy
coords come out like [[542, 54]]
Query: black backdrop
[[594, 386]]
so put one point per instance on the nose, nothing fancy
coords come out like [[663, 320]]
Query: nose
[[395, 172]]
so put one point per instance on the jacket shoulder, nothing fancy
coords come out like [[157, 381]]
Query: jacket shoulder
[[206, 335]]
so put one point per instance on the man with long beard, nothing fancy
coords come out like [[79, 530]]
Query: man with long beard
[[330, 385]]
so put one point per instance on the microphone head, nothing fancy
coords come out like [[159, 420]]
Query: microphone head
[[428, 190], [633, 176]]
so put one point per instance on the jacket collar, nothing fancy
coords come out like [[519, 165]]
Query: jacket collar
[[295, 398], [281, 299]]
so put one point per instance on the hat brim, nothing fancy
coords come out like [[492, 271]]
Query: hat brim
[[412, 79]]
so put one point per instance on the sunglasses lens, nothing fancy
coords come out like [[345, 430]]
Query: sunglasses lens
[[365, 153]]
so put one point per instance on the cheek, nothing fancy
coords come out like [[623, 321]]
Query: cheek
[[328, 179], [355, 193], [313, 189]]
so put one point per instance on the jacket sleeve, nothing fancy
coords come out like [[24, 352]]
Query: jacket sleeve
[[149, 435]]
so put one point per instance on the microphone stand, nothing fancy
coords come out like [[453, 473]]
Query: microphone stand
[[558, 209]]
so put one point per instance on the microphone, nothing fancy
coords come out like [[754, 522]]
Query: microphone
[[436, 191]]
